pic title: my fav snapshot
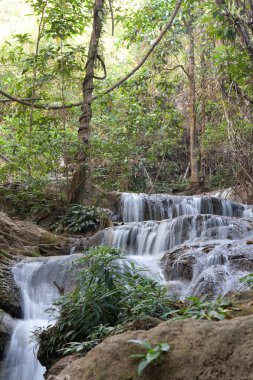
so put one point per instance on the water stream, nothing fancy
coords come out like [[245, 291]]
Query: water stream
[[151, 226], [35, 280]]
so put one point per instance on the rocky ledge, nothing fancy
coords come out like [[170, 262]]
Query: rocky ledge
[[199, 350]]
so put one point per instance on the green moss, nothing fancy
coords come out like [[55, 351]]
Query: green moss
[[5, 256], [32, 251]]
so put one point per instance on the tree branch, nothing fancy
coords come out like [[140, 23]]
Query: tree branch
[[4, 158], [112, 16], [181, 67], [144, 59], [11, 101], [104, 68]]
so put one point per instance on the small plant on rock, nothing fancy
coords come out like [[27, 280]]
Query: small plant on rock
[[153, 352], [201, 308], [248, 280]]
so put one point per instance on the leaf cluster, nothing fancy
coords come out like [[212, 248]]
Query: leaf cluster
[[80, 218], [247, 280], [110, 292], [202, 308], [153, 353]]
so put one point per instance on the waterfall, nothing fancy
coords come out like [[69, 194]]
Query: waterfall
[[35, 280], [140, 207], [154, 238], [155, 224], [183, 242]]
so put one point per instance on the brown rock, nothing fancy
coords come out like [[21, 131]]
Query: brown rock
[[25, 238], [5, 332], [202, 350], [9, 293]]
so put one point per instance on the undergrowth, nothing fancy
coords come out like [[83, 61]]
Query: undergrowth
[[111, 292]]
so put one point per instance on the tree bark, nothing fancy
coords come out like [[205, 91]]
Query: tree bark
[[194, 159], [78, 190]]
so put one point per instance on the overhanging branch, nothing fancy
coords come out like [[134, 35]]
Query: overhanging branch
[[116, 85]]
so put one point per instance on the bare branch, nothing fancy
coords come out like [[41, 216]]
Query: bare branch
[[5, 158], [177, 67], [112, 16], [104, 68], [12, 101]]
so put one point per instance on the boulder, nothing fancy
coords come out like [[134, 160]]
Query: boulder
[[199, 350], [209, 268], [25, 238], [6, 325], [9, 293]]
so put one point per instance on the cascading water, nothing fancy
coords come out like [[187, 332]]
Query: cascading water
[[152, 225], [140, 207], [152, 238], [36, 282]]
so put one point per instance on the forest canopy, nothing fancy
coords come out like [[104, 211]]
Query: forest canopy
[[183, 119]]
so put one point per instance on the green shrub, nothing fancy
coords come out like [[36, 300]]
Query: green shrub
[[80, 218], [110, 291], [247, 280], [201, 308]]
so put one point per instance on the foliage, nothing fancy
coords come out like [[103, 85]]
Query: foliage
[[30, 197], [140, 132], [153, 353], [247, 280], [80, 218], [201, 308], [110, 291]]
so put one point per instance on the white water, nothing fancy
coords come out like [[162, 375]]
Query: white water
[[154, 224], [35, 280], [140, 207], [213, 275], [175, 220], [154, 238]]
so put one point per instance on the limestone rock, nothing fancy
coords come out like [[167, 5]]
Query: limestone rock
[[9, 293], [6, 325], [199, 350], [209, 268], [25, 238]]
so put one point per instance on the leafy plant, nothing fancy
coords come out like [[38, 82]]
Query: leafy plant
[[110, 292], [247, 280], [201, 308], [80, 218], [153, 352]]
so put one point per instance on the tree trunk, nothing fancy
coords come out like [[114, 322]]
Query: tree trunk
[[194, 159], [203, 115], [79, 186]]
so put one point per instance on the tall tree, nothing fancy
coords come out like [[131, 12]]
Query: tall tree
[[79, 186]]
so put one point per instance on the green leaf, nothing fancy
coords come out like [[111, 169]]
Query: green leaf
[[142, 366], [152, 356], [142, 343]]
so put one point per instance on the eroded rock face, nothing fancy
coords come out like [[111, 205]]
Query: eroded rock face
[[9, 293], [199, 350], [6, 325], [27, 239], [209, 268]]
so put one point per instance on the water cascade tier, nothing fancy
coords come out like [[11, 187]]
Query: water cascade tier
[[141, 207], [146, 243], [154, 238], [209, 268], [38, 281], [194, 245]]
